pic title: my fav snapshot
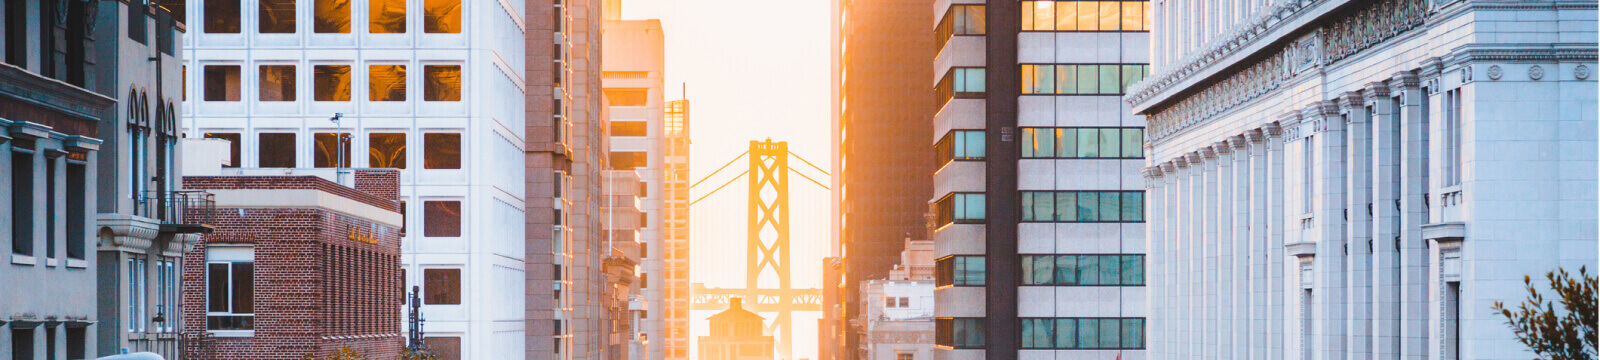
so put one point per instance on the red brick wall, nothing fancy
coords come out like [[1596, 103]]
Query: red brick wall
[[316, 290]]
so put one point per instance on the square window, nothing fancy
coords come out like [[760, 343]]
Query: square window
[[277, 82], [386, 150], [442, 286], [276, 150], [330, 146], [441, 16], [441, 151], [387, 82], [441, 82], [222, 16], [441, 218], [222, 82], [332, 82], [277, 16], [332, 16], [386, 16]]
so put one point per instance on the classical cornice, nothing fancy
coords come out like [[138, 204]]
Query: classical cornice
[[1404, 80], [51, 93], [1272, 25], [1374, 91], [1473, 53]]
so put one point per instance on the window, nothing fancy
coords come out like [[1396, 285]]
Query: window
[[230, 288], [1083, 143], [233, 146], [965, 270], [441, 82], [331, 17], [136, 281], [77, 232], [1452, 138], [386, 150], [17, 23], [904, 356], [1083, 333], [441, 218], [629, 128], [404, 220], [965, 145], [277, 82], [330, 146], [960, 208], [626, 160], [77, 342], [222, 16], [22, 172], [387, 82], [1083, 270], [441, 151], [1308, 171], [1081, 79], [138, 22], [276, 150], [50, 193], [1085, 15], [332, 82], [386, 16], [960, 83], [628, 97], [166, 294], [961, 20], [960, 333], [444, 347], [1083, 206], [441, 286], [22, 342], [222, 82], [441, 16], [277, 16]]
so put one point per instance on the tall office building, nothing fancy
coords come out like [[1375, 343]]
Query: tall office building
[[675, 230], [1038, 199], [634, 68], [1363, 179], [566, 153], [882, 130], [433, 88], [624, 304]]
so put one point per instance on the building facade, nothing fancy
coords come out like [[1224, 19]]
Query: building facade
[[432, 88], [143, 227], [1039, 205], [881, 55], [300, 265], [52, 107], [634, 70], [736, 334], [898, 321], [1363, 179], [675, 230], [625, 306], [565, 154]]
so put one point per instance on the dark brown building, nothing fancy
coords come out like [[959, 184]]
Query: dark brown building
[[884, 127]]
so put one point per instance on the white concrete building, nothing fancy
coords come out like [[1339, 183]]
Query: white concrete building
[[634, 69], [434, 87], [897, 313], [1333, 179]]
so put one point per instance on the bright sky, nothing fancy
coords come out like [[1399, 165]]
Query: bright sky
[[755, 69]]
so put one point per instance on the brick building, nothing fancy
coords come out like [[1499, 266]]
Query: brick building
[[299, 265]]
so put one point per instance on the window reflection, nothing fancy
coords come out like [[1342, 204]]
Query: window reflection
[[1085, 79], [276, 150], [222, 82], [441, 151], [328, 146], [386, 150], [387, 82], [961, 20], [628, 97], [386, 16], [441, 82], [222, 16], [277, 16], [1085, 16], [277, 82], [441, 16], [332, 82], [332, 16], [441, 218]]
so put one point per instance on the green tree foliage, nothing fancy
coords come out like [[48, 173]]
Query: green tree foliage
[[1568, 334]]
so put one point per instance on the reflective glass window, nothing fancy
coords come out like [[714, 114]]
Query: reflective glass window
[[332, 82], [386, 82]]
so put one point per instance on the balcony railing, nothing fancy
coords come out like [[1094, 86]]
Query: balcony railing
[[183, 211]]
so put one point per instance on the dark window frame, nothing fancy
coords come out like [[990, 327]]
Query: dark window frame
[[1026, 201]]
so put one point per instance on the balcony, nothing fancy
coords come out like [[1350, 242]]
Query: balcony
[[180, 212]]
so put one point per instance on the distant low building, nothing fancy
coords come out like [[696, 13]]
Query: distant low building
[[736, 334], [300, 265], [896, 320]]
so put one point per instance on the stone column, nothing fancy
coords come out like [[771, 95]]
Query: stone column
[[1206, 257], [1276, 236], [1385, 218], [1358, 218], [1413, 186], [1325, 226], [1190, 254], [1239, 251], [1221, 247], [1260, 288], [1155, 245]]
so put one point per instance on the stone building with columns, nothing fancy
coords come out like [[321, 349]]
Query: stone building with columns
[[1331, 179]]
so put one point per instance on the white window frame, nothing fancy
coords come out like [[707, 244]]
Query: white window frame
[[227, 255]]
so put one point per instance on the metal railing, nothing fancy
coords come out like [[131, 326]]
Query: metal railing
[[181, 207]]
